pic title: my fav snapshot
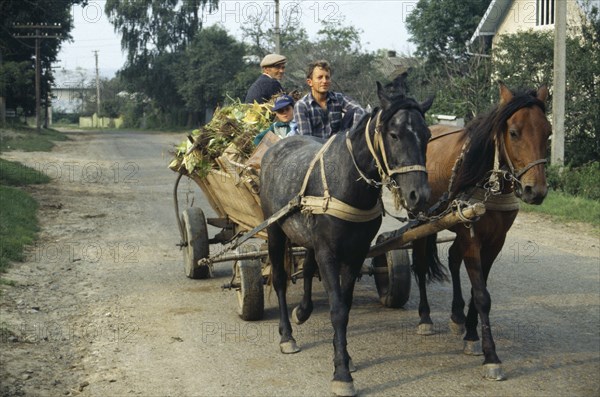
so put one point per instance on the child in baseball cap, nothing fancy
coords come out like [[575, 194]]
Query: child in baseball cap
[[284, 124]]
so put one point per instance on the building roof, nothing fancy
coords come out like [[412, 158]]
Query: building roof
[[498, 9], [493, 17], [393, 65]]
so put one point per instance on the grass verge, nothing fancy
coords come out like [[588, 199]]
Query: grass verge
[[28, 140], [18, 221], [565, 207], [18, 224], [13, 173]]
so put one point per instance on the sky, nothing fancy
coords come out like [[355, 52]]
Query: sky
[[382, 24]]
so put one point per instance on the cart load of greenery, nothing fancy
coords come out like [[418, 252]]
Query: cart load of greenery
[[231, 130]]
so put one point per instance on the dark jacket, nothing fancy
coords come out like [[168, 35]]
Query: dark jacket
[[263, 89]]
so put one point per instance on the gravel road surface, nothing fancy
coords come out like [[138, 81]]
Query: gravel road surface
[[101, 306]]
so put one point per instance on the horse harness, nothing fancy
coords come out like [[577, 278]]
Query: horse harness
[[488, 190], [330, 205]]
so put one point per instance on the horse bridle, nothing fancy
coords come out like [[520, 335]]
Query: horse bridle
[[512, 174], [377, 147], [517, 174]]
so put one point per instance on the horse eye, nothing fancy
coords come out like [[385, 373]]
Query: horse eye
[[513, 133], [394, 136]]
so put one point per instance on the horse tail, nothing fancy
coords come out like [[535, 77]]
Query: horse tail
[[435, 269]]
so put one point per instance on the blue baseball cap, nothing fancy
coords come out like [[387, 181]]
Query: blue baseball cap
[[283, 101]]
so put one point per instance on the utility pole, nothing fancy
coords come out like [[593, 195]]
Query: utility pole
[[277, 30], [38, 36], [97, 88], [557, 156]]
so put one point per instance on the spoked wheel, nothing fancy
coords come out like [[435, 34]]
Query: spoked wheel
[[250, 295], [393, 285], [195, 234]]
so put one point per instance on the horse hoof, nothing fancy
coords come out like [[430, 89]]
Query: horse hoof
[[473, 348], [289, 347], [493, 372], [425, 329], [295, 318], [351, 366], [340, 388], [456, 328]]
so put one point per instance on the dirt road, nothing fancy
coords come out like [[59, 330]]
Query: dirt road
[[101, 306]]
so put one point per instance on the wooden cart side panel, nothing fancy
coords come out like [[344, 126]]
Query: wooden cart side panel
[[236, 201], [210, 195]]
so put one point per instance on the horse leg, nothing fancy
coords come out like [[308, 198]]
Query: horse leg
[[277, 248], [348, 280], [342, 383], [302, 312], [419, 257], [481, 302], [457, 319]]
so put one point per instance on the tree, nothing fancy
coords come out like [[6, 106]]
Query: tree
[[18, 55], [157, 26], [336, 42], [525, 60], [208, 65], [441, 28], [155, 35], [447, 69]]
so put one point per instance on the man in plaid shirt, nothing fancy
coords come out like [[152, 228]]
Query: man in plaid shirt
[[319, 113]]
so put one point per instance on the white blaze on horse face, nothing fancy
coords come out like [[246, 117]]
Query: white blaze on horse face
[[410, 129]]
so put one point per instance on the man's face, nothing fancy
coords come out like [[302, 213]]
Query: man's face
[[320, 80], [275, 72]]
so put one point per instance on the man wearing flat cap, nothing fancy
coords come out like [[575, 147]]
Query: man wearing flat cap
[[267, 85]]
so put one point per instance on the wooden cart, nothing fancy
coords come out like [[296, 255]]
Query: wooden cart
[[232, 191]]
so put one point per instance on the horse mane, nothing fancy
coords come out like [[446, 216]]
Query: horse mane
[[483, 131]]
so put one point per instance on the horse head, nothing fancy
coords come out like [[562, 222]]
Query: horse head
[[403, 136], [525, 140]]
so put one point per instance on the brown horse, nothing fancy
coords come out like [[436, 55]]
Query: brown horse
[[497, 156]]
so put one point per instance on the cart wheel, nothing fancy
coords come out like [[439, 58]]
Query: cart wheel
[[251, 300], [393, 286], [195, 233]]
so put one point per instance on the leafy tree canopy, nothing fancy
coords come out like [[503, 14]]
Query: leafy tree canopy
[[441, 28], [209, 63], [18, 54], [157, 26]]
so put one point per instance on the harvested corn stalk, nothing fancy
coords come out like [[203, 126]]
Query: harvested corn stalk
[[232, 126]]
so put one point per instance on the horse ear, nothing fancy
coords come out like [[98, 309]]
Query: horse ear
[[400, 84], [385, 102], [542, 93], [505, 94], [426, 104]]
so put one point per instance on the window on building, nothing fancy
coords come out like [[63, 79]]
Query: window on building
[[544, 12]]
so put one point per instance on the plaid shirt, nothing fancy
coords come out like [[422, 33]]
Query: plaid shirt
[[313, 120]]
